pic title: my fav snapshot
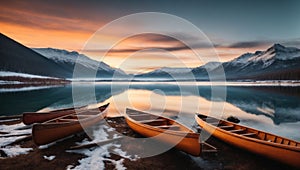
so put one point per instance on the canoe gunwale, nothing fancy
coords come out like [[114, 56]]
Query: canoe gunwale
[[29, 118]]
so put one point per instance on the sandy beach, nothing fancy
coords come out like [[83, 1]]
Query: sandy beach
[[60, 156]]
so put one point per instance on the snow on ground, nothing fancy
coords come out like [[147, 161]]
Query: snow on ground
[[9, 74], [12, 151], [96, 156], [49, 158], [3, 90], [13, 131], [10, 82]]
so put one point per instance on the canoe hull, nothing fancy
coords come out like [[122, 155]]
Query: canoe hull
[[284, 154], [187, 144], [185, 141], [47, 132]]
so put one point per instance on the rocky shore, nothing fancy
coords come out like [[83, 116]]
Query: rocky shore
[[57, 156]]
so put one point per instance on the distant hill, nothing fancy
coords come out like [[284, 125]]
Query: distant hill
[[16, 57]]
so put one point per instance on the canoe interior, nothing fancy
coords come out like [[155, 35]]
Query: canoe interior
[[156, 121], [248, 132]]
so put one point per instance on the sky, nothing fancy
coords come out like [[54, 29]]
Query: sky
[[233, 27]]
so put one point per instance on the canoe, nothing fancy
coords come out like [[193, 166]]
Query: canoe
[[165, 130], [253, 140], [29, 118], [61, 127]]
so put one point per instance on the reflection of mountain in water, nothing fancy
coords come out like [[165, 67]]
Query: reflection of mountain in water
[[29, 101], [278, 106], [281, 104], [278, 103]]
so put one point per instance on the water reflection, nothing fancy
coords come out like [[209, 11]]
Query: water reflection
[[274, 109]]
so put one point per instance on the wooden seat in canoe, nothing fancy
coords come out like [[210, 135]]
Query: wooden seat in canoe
[[226, 126], [236, 130], [140, 115], [152, 121], [248, 134]]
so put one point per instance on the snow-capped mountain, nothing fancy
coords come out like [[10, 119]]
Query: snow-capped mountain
[[276, 52], [275, 63], [86, 64], [15, 57]]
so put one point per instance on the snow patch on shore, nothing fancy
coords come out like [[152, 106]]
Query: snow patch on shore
[[12, 151], [11, 130], [15, 132], [97, 156], [49, 158]]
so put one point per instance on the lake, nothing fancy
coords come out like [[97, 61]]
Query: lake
[[274, 109]]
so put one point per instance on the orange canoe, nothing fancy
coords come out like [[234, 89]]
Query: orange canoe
[[165, 130], [256, 141], [61, 127], [40, 117]]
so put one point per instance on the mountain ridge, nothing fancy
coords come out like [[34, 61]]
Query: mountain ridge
[[86, 65], [16, 57], [275, 63]]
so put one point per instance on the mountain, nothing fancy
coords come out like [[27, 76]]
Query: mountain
[[86, 66], [166, 73], [276, 63], [15, 57]]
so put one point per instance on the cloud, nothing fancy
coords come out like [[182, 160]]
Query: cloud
[[249, 44], [292, 43], [264, 43], [47, 22], [154, 41]]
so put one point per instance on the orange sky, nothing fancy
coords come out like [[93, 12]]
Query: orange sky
[[125, 55], [35, 28]]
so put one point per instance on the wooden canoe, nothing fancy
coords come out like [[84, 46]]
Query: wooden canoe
[[61, 127], [29, 118], [253, 140], [165, 130]]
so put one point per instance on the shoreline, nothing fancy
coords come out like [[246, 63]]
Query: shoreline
[[227, 157]]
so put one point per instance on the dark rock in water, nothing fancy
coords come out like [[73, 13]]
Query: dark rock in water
[[233, 119]]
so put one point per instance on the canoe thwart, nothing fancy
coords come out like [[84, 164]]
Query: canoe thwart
[[236, 130], [249, 134], [152, 120], [226, 126]]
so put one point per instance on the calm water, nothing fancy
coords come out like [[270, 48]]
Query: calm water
[[273, 109]]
